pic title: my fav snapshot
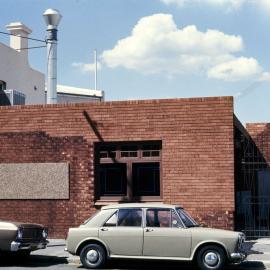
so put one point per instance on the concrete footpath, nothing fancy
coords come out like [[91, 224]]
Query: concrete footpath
[[258, 253], [56, 248]]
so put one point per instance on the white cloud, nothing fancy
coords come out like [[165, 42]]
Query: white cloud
[[85, 68], [228, 4], [264, 4], [236, 69], [156, 45], [265, 77], [174, 2]]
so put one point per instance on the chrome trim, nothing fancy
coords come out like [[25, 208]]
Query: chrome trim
[[211, 259], [15, 246], [237, 257], [150, 258], [92, 256]]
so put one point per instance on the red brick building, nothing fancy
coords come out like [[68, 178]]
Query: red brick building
[[179, 151]]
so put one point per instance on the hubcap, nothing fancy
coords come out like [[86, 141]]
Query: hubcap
[[92, 256], [211, 258]]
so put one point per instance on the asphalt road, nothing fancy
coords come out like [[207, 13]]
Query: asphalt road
[[55, 262], [54, 257]]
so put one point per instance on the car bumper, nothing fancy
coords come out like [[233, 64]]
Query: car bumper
[[237, 257], [15, 246]]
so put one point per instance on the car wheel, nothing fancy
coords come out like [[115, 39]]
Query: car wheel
[[211, 258], [93, 256]]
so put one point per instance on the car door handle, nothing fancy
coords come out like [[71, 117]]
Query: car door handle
[[149, 230], [104, 229]]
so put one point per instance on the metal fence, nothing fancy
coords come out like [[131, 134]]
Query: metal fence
[[257, 217]]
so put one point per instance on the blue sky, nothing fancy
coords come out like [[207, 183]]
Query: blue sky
[[159, 48]]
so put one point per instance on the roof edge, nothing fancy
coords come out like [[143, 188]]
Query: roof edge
[[124, 102]]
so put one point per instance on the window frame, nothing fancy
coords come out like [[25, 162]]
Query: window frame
[[3, 85], [117, 215], [186, 215], [147, 196], [132, 208], [144, 213], [164, 209], [106, 220], [128, 161], [111, 195]]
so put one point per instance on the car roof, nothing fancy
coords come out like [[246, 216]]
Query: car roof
[[138, 205]]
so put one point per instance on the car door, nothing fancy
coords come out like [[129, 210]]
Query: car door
[[123, 232], [164, 234]]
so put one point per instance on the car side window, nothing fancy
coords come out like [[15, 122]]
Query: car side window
[[112, 221], [162, 218], [176, 223], [130, 217], [158, 218]]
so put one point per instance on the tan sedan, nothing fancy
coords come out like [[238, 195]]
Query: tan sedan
[[152, 231]]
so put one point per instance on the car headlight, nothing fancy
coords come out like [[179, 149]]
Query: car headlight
[[20, 234], [44, 233]]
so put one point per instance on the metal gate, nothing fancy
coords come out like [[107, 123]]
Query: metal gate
[[252, 185], [257, 217]]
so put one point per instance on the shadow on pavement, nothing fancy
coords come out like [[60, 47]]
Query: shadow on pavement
[[141, 265], [50, 261], [31, 261], [146, 264], [248, 265], [248, 248]]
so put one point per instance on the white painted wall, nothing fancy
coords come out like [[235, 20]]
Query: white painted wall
[[15, 69]]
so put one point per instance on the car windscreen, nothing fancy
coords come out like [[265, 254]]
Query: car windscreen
[[186, 219]]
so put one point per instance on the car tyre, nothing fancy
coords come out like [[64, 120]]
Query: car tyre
[[93, 256], [211, 258]]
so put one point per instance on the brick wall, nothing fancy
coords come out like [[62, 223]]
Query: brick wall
[[260, 133], [197, 153]]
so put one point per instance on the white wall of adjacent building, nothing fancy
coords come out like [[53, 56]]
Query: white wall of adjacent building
[[18, 75], [15, 69]]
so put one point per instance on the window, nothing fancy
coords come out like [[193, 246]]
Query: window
[[129, 151], [146, 179], [176, 223], [112, 221], [128, 171], [186, 219], [158, 218], [108, 152], [3, 85], [163, 218], [113, 179], [151, 150], [130, 217]]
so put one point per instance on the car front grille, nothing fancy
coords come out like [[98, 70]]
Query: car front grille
[[32, 234]]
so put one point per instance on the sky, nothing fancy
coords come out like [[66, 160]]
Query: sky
[[149, 49]]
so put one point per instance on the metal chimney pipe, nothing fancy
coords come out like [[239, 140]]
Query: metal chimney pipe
[[52, 18], [95, 61]]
